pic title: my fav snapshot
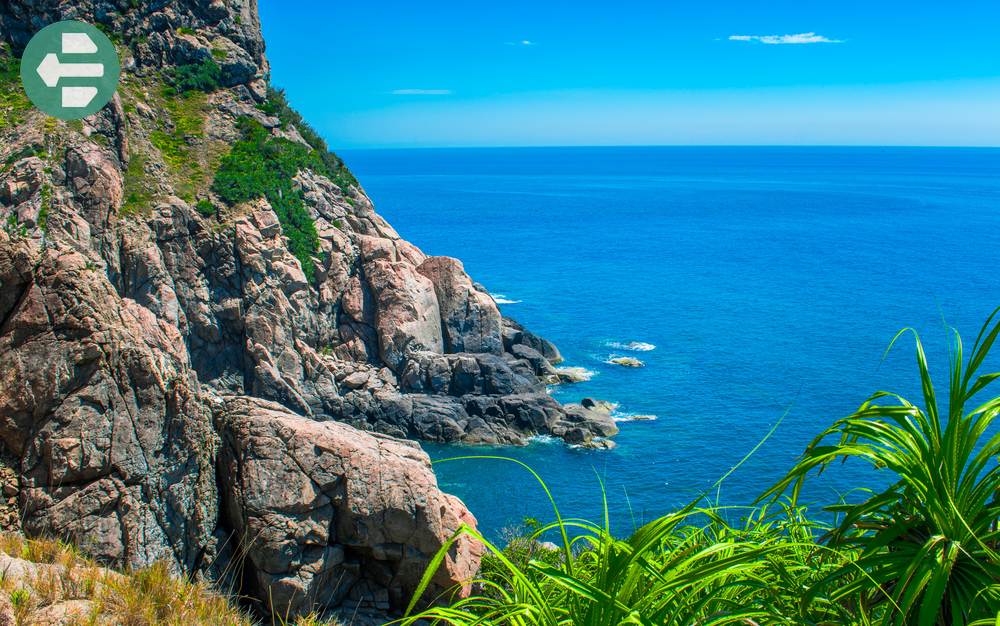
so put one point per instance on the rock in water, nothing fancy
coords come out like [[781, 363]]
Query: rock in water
[[626, 361], [184, 370]]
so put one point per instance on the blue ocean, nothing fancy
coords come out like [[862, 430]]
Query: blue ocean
[[762, 284]]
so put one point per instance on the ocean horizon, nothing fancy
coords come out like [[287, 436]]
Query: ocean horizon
[[762, 284]]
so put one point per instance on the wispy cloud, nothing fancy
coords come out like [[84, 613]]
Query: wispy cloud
[[421, 92], [521, 42], [798, 38]]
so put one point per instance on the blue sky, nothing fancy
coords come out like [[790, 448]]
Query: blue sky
[[400, 74]]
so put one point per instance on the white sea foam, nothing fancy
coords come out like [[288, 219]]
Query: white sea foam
[[500, 298], [634, 346], [544, 439], [576, 374], [620, 416]]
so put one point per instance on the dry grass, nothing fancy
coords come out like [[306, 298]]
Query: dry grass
[[146, 597]]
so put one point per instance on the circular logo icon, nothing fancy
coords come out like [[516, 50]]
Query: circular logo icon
[[70, 70]]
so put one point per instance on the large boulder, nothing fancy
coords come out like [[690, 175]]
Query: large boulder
[[327, 513], [469, 317], [407, 316]]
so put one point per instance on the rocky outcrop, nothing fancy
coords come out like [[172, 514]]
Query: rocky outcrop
[[173, 381], [469, 318], [103, 413], [327, 513]]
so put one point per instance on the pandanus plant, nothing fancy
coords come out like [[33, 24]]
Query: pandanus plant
[[927, 544]]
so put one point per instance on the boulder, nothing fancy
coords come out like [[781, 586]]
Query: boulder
[[323, 510], [469, 317], [515, 334], [407, 317]]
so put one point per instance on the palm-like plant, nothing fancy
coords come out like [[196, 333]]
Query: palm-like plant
[[690, 567], [928, 543]]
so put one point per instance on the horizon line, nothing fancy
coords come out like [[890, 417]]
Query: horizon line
[[679, 145]]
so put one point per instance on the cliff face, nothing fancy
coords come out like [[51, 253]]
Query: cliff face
[[210, 341]]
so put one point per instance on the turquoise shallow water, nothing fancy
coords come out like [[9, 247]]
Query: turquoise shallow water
[[770, 281]]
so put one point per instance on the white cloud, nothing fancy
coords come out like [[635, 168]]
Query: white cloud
[[798, 38], [522, 42], [421, 92]]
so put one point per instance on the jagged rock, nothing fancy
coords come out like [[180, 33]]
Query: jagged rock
[[321, 508], [515, 334], [100, 406], [469, 316], [540, 366], [626, 361]]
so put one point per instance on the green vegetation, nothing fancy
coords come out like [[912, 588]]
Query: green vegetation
[[137, 197], [184, 30], [333, 167], [205, 207], [204, 76], [174, 140], [113, 35], [43, 211], [13, 101], [924, 551], [14, 227], [263, 166]]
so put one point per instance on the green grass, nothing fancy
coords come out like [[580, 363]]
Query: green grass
[[930, 540], [924, 551], [176, 137], [14, 102], [137, 197]]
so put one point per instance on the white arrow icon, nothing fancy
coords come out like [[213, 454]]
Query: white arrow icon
[[51, 70]]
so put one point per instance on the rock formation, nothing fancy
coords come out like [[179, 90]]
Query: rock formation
[[182, 379]]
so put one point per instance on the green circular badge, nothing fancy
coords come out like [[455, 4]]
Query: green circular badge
[[70, 69]]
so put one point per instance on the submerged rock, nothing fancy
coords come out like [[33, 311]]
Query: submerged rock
[[626, 361]]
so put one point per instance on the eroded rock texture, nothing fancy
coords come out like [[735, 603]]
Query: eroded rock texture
[[327, 512], [174, 384]]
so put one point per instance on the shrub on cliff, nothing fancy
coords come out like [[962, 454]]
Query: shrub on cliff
[[263, 166], [333, 167], [205, 76]]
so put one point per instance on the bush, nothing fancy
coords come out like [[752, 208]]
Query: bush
[[263, 166], [205, 76], [333, 166], [205, 208]]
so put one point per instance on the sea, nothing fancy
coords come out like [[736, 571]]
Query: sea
[[759, 286]]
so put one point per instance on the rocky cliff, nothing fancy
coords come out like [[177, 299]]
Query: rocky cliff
[[212, 348]]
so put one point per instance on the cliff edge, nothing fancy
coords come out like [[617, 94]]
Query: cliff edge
[[213, 349]]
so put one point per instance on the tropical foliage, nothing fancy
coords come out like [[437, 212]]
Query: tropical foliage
[[922, 551]]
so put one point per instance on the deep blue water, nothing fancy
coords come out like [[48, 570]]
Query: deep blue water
[[770, 281]]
